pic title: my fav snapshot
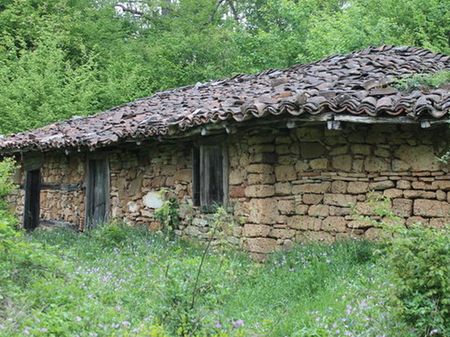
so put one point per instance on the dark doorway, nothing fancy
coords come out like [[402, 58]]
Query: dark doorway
[[97, 192], [32, 199]]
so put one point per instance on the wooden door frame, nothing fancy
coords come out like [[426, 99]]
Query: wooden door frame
[[88, 194]]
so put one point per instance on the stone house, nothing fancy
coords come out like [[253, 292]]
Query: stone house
[[291, 153]]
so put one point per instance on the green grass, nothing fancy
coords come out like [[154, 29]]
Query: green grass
[[118, 281]]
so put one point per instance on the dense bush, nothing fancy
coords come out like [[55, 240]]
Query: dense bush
[[419, 258]]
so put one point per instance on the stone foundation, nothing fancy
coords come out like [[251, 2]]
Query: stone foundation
[[284, 185]]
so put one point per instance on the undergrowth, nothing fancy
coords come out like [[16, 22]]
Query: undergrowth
[[423, 81]]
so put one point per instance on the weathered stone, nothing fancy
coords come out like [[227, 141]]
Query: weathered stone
[[414, 220], [153, 200], [421, 185], [301, 209], [364, 208], [338, 186], [260, 178], [260, 168], [263, 211], [338, 150], [285, 173], [431, 208], [259, 191], [183, 175], [237, 191], [380, 152], [133, 207], [319, 164], [334, 224], [404, 184], [441, 185], [376, 164], [393, 193], [399, 165], [281, 233], [286, 206], [439, 222], [360, 149], [402, 207], [415, 194], [236, 177], [302, 166], [264, 158], [342, 163], [420, 158], [309, 134], [283, 188], [312, 199], [373, 233], [304, 222], [342, 200], [318, 210], [441, 195], [340, 210], [322, 187], [357, 187], [252, 230], [266, 138], [360, 223], [357, 165], [381, 185], [261, 245], [312, 150]]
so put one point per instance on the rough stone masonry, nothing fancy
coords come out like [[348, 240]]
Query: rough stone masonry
[[285, 185]]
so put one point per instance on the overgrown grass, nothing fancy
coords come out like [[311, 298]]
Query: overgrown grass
[[119, 281]]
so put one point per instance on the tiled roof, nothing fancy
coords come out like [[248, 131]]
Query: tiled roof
[[353, 84]]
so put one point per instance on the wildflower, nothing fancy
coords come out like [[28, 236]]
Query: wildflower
[[126, 323], [43, 329], [218, 325], [78, 319], [237, 324]]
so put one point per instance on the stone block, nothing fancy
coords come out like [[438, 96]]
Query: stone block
[[286, 206], [416, 194], [400, 166], [362, 149], [439, 222], [338, 186], [285, 173], [342, 200], [319, 164], [261, 245], [263, 211], [309, 134], [357, 187], [381, 185], [252, 230], [301, 209], [322, 187], [237, 191], [282, 233], [414, 220], [419, 158], [260, 168], [283, 188], [236, 177], [312, 150], [393, 193], [404, 184], [402, 207], [441, 195], [376, 164], [380, 152], [431, 208], [304, 222], [338, 150], [360, 224], [342, 163], [259, 191], [364, 208], [312, 199], [318, 210], [441, 185], [334, 224], [373, 233], [260, 178], [340, 210]]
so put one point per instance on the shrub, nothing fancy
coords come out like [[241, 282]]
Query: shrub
[[419, 258], [111, 235]]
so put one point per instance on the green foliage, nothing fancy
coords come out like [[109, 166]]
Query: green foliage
[[112, 235], [168, 215], [76, 57], [424, 81], [419, 258]]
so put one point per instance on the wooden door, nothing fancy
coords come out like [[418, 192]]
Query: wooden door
[[97, 192], [32, 199]]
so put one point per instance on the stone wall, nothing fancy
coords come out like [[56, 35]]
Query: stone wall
[[284, 185]]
